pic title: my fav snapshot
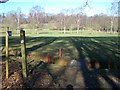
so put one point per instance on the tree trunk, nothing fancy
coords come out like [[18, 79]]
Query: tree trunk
[[77, 28], [111, 26], [77, 25], [64, 30]]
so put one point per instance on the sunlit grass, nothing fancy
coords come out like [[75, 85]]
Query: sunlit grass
[[60, 33]]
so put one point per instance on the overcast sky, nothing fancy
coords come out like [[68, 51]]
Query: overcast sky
[[55, 6]]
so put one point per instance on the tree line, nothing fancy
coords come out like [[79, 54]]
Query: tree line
[[67, 19]]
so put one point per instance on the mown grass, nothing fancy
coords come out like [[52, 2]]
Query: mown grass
[[60, 33], [95, 48]]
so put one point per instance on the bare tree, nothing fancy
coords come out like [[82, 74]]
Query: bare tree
[[114, 11], [64, 11], [59, 19], [3, 1], [2, 16], [10, 19], [18, 12], [37, 13], [31, 19], [79, 13]]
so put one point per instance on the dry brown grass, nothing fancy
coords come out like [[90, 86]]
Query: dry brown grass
[[36, 56], [62, 62]]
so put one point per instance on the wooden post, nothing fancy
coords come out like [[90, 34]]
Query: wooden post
[[64, 30], [78, 26], [23, 51], [48, 56], [7, 56], [60, 52]]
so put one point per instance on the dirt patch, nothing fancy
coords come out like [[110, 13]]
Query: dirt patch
[[35, 79], [56, 70], [14, 81], [14, 66], [57, 75], [43, 81]]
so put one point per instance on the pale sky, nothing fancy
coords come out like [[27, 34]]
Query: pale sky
[[55, 6]]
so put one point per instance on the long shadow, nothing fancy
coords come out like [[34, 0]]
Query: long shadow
[[95, 54], [46, 42], [90, 81], [111, 83], [16, 40], [102, 53], [105, 63], [105, 49]]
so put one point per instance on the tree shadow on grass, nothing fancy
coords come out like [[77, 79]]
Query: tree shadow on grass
[[96, 51], [16, 40], [46, 41], [32, 43], [13, 39], [90, 82]]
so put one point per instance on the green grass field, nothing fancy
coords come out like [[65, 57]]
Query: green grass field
[[90, 45], [89, 48], [93, 45], [56, 33]]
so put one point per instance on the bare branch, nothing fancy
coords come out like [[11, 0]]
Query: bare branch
[[3, 1]]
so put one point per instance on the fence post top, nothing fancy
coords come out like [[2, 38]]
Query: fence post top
[[21, 29], [22, 32], [7, 28]]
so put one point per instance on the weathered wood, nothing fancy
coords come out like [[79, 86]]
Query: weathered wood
[[23, 51]]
